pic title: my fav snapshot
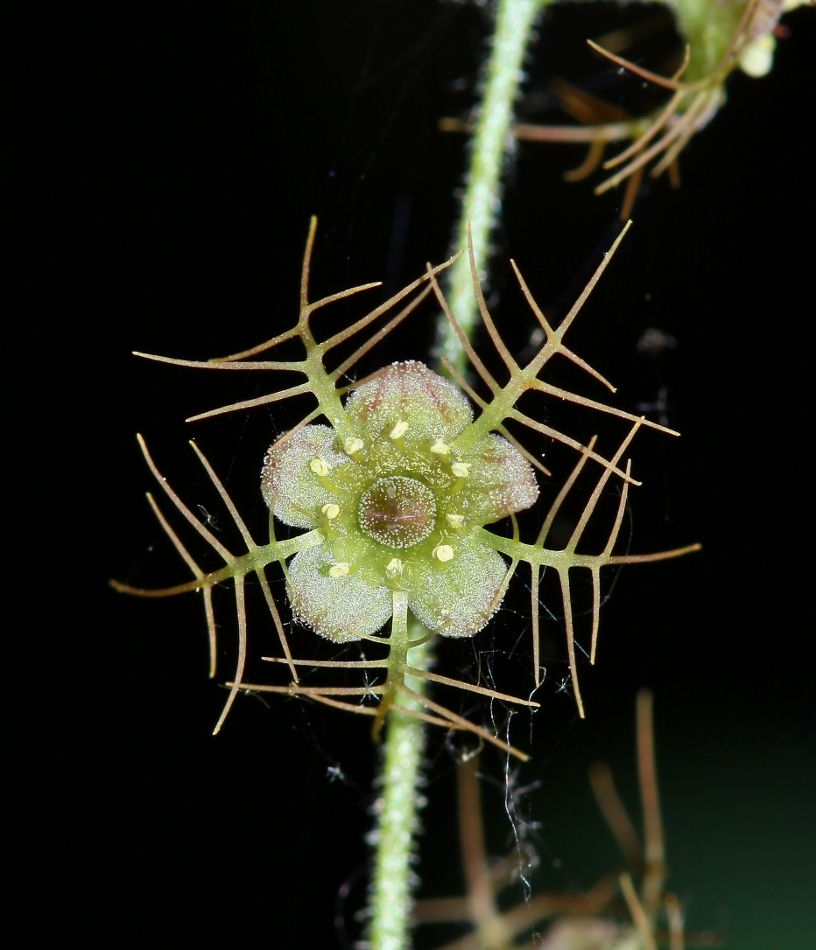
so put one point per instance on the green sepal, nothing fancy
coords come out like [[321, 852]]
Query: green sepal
[[342, 608], [457, 598]]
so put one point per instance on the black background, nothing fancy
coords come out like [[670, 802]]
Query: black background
[[164, 169]]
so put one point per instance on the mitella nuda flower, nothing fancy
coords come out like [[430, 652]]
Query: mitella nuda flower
[[394, 494], [397, 504]]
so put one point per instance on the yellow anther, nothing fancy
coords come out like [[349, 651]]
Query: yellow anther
[[319, 466], [461, 469], [399, 430], [340, 569], [394, 567], [331, 511], [455, 521], [443, 553], [352, 445], [440, 448]]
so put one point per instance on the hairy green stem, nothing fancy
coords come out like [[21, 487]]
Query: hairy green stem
[[481, 203], [400, 799], [397, 810]]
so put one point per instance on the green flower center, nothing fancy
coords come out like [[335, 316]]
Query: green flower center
[[397, 511]]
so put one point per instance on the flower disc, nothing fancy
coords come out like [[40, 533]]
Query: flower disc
[[397, 511]]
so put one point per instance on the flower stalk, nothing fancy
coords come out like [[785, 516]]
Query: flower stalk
[[397, 813]]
